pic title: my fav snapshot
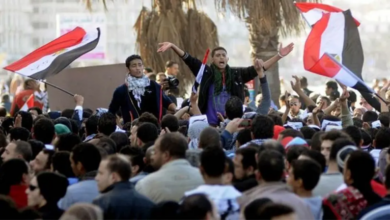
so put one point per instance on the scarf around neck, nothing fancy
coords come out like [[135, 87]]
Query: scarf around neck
[[218, 79], [137, 86]]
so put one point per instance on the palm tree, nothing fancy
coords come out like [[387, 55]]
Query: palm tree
[[266, 20], [176, 21]]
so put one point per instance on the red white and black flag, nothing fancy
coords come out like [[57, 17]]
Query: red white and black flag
[[55, 56], [333, 49]]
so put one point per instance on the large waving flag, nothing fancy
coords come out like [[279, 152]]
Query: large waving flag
[[312, 12], [55, 56]]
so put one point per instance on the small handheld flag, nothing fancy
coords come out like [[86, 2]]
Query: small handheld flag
[[28, 104], [199, 76]]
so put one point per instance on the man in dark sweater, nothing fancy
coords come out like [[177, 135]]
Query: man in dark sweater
[[139, 94], [220, 81]]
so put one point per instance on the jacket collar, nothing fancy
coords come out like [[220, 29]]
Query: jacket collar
[[177, 162], [119, 186]]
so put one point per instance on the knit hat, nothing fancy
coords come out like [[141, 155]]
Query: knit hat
[[61, 129], [52, 186]]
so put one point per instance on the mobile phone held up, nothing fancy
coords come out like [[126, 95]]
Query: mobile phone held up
[[246, 123]]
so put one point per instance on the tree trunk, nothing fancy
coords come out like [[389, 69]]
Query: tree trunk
[[264, 45]]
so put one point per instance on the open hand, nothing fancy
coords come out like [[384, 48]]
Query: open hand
[[284, 51], [317, 109], [164, 46], [297, 85]]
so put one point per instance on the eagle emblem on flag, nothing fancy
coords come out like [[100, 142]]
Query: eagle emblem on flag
[[337, 57], [59, 52]]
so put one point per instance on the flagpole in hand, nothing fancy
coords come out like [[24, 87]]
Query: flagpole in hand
[[200, 72], [54, 86]]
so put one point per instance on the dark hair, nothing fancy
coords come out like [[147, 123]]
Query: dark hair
[[11, 173], [165, 210], [334, 135], [66, 142], [3, 112], [213, 161], [7, 124], [8, 208], [91, 125], [332, 84], [52, 186], [120, 165], [44, 130], [107, 144], [24, 149], [262, 127], [334, 95], [367, 140], [75, 126], [253, 209], [352, 96], [209, 137], [88, 155], [354, 133], [121, 140], [271, 165], [271, 145], [3, 140], [382, 138], [148, 69], [170, 63], [61, 163], [131, 58], [291, 133], [307, 132], [248, 157], [384, 119], [357, 122], [326, 99], [303, 81], [195, 206], [317, 157], [38, 110], [244, 136], [148, 117], [136, 156], [316, 141], [307, 170], [49, 154], [36, 147], [337, 145], [370, 116], [230, 165], [273, 210], [276, 118], [233, 108], [64, 121], [216, 49], [171, 122], [67, 113], [173, 143], [294, 152], [27, 120], [107, 123], [147, 132]]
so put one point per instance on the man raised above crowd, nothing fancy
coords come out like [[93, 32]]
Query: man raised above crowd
[[220, 81]]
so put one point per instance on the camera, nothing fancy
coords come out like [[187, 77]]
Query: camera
[[172, 82]]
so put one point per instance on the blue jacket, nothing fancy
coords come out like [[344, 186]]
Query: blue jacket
[[121, 99]]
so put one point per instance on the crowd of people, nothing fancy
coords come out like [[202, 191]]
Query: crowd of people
[[216, 155]]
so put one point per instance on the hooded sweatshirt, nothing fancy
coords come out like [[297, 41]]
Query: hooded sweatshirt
[[224, 198], [315, 204]]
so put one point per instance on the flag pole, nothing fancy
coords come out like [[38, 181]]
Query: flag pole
[[379, 97], [61, 89]]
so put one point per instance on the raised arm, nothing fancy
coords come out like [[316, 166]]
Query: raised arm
[[266, 102], [298, 89]]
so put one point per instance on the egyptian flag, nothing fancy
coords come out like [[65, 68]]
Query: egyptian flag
[[28, 104], [199, 76], [312, 12], [55, 56], [333, 49]]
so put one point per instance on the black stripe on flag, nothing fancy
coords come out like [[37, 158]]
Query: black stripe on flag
[[65, 59]]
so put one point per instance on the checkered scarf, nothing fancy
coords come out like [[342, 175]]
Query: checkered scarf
[[137, 86]]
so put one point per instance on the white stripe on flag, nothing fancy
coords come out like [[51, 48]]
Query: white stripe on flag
[[45, 61], [313, 15], [332, 39]]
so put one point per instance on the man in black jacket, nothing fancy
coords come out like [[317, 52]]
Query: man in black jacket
[[220, 81], [119, 200]]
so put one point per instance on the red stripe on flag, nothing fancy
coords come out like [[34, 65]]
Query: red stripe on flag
[[69, 39], [206, 56], [30, 101], [305, 7], [326, 66]]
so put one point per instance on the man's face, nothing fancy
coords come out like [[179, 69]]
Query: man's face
[[295, 105], [357, 113], [39, 163], [220, 59], [239, 171], [173, 70], [34, 194], [365, 104], [10, 153], [159, 158], [291, 180], [310, 120], [319, 100], [136, 68], [328, 91], [326, 145], [74, 166], [34, 114], [104, 177], [133, 136]]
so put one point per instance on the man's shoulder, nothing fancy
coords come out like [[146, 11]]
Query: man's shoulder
[[85, 185]]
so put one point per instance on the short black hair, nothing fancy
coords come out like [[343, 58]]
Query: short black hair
[[75, 126], [170, 63], [317, 157], [107, 123], [332, 84], [307, 132], [171, 122], [333, 135], [27, 120], [271, 145], [147, 69], [44, 130], [131, 58], [337, 145], [291, 133], [19, 134], [88, 155], [36, 147], [276, 118], [121, 166], [209, 137], [107, 144], [362, 167], [61, 163], [253, 209], [244, 136], [357, 122], [354, 133], [213, 161], [248, 157], [352, 96], [66, 142], [24, 149], [121, 140], [67, 113], [272, 210], [233, 108], [11, 173], [370, 116], [382, 138], [294, 152], [195, 206], [38, 110], [174, 143], [148, 117], [147, 132], [367, 140], [262, 127], [216, 49], [307, 170], [136, 155], [384, 119], [271, 166], [91, 125]]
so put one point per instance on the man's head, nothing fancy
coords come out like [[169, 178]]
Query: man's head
[[363, 103], [91, 125], [262, 127], [304, 175], [244, 162], [382, 139], [327, 140], [17, 149], [66, 142], [107, 144], [44, 131], [31, 84], [171, 122], [304, 83], [295, 104], [136, 157], [35, 111], [107, 124], [233, 108], [212, 162], [169, 147], [42, 161], [325, 100], [271, 166], [47, 188], [219, 57], [172, 68], [146, 133], [330, 87], [160, 79], [84, 158], [19, 134], [359, 168], [209, 137], [135, 66], [113, 169]]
